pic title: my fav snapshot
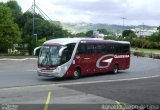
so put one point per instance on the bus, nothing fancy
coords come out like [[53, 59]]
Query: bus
[[73, 57]]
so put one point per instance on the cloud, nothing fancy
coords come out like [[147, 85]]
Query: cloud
[[100, 11]]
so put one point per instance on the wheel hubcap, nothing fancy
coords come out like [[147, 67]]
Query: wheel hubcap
[[115, 70], [76, 73]]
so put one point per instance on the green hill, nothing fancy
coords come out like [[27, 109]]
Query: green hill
[[83, 27]]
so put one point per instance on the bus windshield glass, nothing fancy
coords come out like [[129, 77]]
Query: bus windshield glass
[[49, 56]]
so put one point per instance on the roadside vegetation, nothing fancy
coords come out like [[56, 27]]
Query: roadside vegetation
[[16, 35], [149, 44], [154, 51]]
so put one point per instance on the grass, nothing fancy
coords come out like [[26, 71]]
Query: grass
[[155, 51]]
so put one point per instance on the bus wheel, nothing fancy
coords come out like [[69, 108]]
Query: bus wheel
[[115, 69], [76, 74]]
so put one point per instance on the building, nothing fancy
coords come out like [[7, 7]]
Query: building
[[144, 32]]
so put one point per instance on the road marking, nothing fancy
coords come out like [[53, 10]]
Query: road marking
[[48, 100], [105, 81], [79, 83], [119, 105], [10, 59]]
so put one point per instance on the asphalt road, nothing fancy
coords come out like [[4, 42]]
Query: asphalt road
[[19, 84], [23, 73]]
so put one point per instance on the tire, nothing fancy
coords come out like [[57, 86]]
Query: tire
[[115, 69], [76, 74]]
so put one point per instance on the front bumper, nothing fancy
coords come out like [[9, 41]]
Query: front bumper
[[48, 73]]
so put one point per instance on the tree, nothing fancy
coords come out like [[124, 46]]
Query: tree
[[89, 33], [158, 28], [16, 10], [128, 33], [81, 34], [40, 41], [9, 31], [1, 3], [155, 37], [132, 35], [43, 29], [26, 17], [103, 31]]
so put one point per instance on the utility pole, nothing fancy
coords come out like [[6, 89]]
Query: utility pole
[[142, 29], [33, 6], [123, 19], [33, 31], [33, 10]]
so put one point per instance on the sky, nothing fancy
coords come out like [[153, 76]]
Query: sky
[[136, 12]]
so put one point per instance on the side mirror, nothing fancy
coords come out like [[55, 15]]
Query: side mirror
[[61, 51], [35, 53]]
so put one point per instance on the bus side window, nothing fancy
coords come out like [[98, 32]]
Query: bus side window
[[100, 49], [63, 57], [70, 48], [125, 48], [90, 48], [67, 53], [118, 48], [81, 49], [110, 48]]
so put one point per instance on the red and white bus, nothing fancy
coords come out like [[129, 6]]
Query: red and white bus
[[73, 57]]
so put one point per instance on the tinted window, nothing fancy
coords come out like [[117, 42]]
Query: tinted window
[[67, 53], [125, 48], [70, 47], [121, 48], [100, 48], [90, 49], [118, 48], [110, 48], [81, 49]]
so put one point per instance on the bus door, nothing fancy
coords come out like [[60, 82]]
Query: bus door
[[84, 58]]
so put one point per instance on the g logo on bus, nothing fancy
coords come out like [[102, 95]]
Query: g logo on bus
[[104, 61]]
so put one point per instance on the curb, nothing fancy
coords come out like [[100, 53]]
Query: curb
[[12, 59]]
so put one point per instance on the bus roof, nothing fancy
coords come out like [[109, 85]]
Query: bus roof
[[65, 41], [62, 41]]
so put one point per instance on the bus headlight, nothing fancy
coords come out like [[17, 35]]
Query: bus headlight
[[65, 68], [59, 68]]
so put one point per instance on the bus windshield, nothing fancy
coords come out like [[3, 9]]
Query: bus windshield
[[49, 56]]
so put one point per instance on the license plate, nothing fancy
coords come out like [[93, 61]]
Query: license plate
[[46, 70]]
